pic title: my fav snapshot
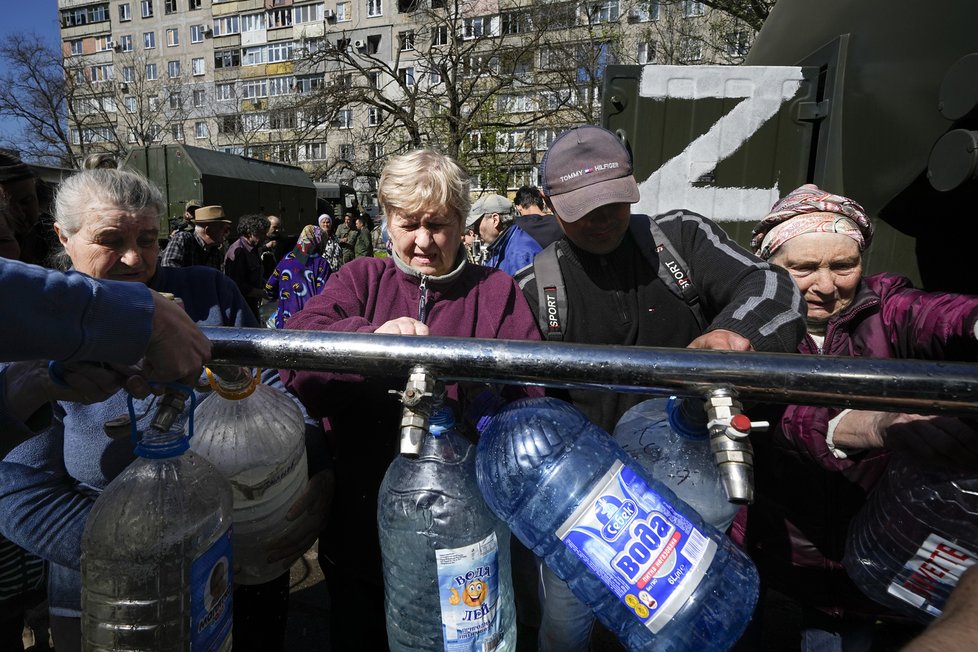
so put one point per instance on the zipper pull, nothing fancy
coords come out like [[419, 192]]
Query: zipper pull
[[423, 299]]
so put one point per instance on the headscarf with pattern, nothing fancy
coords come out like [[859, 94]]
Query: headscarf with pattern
[[809, 209]]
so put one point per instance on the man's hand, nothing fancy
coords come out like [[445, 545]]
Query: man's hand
[[721, 340], [403, 326], [177, 348], [30, 384]]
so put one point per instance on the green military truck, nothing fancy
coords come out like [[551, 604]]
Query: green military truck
[[241, 185], [875, 99]]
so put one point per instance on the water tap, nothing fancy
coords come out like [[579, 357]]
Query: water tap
[[729, 429], [422, 394]]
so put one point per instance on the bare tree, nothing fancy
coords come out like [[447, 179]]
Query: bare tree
[[32, 91]]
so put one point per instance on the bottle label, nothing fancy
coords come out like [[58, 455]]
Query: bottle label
[[647, 553], [927, 579], [468, 588], [211, 586]]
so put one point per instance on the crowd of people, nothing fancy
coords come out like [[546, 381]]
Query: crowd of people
[[442, 265]]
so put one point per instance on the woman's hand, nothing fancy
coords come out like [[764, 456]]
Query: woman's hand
[[403, 326], [929, 437], [310, 510]]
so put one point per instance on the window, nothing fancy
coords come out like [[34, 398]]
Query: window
[[227, 58], [738, 43], [376, 151], [128, 73], [373, 116], [474, 27], [514, 22], [254, 88], [309, 83], [346, 152], [102, 44], [280, 86], [692, 8], [280, 51], [197, 66], [224, 92], [253, 22], [604, 12], [230, 124], [85, 15], [125, 43], [280, 18], [176, 131], [149, 40], [434, 77], [153, 102], [101, 73], [646, 53], [147, 8], [475, 141], [373, 78], [200, 129], [315, 151], [253, 56], [439, 35], [690, 49], [194, 4], [406, 75], [130, 103], [375, 8], [76, 47], [308, 13], [176, 101], [198, 97], [226, 25], [125, 13], [343, 12], [151, 72], [405, 40], [282, 120], [196, 33], [172, 37], [130, 135], [169, 6], [344, 119], [173, 69]]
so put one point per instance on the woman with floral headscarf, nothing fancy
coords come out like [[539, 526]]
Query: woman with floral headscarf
[[813, 472], [299, 276]]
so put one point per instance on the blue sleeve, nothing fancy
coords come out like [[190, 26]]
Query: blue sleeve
[[41, 509], [69, 316]]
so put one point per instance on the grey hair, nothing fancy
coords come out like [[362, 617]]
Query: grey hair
[[424, 179], [123, 189]]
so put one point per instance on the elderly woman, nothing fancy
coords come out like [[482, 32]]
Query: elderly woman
[[813, 471], [299, 276], [425, 287], [108, 222], [329, 245]]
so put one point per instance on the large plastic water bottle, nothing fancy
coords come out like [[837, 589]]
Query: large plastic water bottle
[[255, 436], [916, 535], [673, 444], [650, 568], [156, 554], [446, 560]]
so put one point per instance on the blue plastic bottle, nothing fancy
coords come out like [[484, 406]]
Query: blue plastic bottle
[[447, 579], [675, 448], [650, 568]]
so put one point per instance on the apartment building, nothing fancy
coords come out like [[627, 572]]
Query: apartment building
[[337, 86]]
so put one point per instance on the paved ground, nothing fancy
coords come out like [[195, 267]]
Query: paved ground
[[307, 629]]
